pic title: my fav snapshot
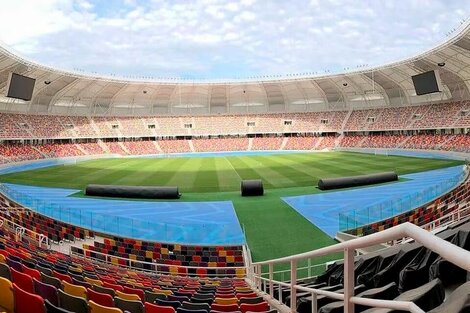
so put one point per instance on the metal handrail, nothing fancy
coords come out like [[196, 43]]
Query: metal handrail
[[445, 249]]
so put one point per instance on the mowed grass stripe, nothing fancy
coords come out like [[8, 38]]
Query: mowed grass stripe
[[270, 176], [184, 174], [206, 179], [142, 174], [227, 175]]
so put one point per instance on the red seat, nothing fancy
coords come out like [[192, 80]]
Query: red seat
[[153, 308], [26, 302], [103, 299], [259, 307], [32, 272], [135, 291], [112, 286], [224, 307], [62, 277], [23, 281]]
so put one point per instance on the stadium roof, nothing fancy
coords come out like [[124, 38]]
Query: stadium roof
[[66, 92]]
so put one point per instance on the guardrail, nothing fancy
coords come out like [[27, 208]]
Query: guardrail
[[450, 252]]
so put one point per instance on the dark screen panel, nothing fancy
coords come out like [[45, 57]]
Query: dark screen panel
[[426, 83], [21, 87]]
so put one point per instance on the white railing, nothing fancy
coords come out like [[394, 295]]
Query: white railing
[[448, 251], [20, 232]]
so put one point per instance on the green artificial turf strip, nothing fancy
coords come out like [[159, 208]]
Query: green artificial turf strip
[[273, 229]]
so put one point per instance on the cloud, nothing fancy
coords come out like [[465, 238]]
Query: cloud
[[221, 38]]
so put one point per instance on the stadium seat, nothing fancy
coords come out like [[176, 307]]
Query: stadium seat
[[23, 281], [231, 300], [224, 307], [51, 281], [133, 306], [251, 300], [51, 308], [103, 299], [196, 306], [96, 308], [152, 296], [74, 290], [155, 308], [5, 271], [72, 303], [7, 300], [105, 290], [26, 302], [31, 272], [258, 307], [127, 296], [47, 292]]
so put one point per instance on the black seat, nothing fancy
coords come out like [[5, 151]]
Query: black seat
[[50, 308]]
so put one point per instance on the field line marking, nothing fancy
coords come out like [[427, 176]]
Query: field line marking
[[231, 165]]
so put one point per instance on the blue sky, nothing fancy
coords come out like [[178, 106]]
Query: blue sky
[[207, 39]]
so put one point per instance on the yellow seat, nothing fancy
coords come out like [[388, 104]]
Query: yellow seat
[[74, 290], [226, 301], [163, 291], [7, 300], [173, 270], [240, 272], [3, 259], [94, 281], [96, 308], [127, 296]]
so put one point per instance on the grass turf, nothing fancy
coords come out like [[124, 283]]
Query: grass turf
[[272, 228]]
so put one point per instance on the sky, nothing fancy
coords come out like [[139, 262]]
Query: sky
[[220, 39]]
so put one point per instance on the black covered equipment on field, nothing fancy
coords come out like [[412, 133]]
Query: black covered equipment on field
[[355, 181], [142, 192], [252, 188]]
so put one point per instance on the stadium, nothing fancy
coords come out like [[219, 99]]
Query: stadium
[[325, 193]]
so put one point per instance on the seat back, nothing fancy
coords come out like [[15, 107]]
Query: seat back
[[50, 308], [251, 300], [224, 307], [105, 290], [7, 300], [132, 306], [152, 296], [96, 308], [48, 292], [51, 281], [174, 304], [74, 290], [258, 307], [103, 299], [127, 296], [226, 300], [23, 281], [26, 302], [5, 271], [184, 310], [135, 291], [155, 308], [196, 306], [72, 303], [31, 272]]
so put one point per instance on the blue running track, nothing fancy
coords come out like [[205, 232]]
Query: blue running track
[[369, 204]]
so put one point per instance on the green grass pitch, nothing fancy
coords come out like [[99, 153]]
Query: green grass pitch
[[273, 229]]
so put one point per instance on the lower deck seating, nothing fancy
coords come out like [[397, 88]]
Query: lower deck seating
[[61, 282], [407, 272]]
